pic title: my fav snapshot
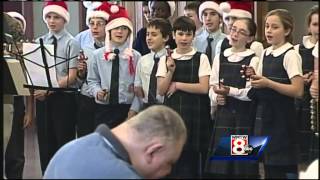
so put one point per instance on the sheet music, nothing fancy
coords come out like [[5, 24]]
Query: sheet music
[[37, 73], [18, 78]]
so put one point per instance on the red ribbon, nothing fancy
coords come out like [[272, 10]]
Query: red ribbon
[[106, 54], [131, 67]]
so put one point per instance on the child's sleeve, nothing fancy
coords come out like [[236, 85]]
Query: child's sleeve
[[93, 78], [137, 79], [292, 63], [257, 48], [74, 52], [136, 104], [162, 67], [214, 80], [204, 69]]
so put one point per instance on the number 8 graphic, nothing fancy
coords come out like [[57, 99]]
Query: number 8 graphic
[[238, 146]]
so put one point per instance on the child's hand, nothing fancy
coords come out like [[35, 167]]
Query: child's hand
[[131, 88], [27, 119], [172, 89], [131, 113], [259, 81], [247, 72], [40, 95], [82, 69], [102, 95], [171, 65], [222, 90], [138, 92], [314, 90], [221, 99], [307, 78]]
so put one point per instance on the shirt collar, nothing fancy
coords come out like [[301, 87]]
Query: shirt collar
[[213, 34], [160, 53], [98, 43], [121, 47], [306, 41], [188, 55], [58, 35], [117, 147], [242, 54], [280, 50], [199, 31]]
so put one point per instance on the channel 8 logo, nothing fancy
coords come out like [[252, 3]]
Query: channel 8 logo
[[240, 147]]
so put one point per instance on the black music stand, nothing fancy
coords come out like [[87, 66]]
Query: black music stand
[[46, 67], [49, 86]]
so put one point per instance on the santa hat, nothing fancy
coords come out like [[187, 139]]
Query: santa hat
[[90, 6], [19, 17], [98, 12], [209, 5], [171, 4], [58, 7], [119, 17], [237, 9]]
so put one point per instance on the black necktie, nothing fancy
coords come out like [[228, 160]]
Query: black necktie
[[114, 87], [55, 46], [209, 49], [153, 82], [96, 46]]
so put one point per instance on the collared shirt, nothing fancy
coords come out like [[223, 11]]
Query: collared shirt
[[65, 42], [306, 41], [292, 62], [200, 41], [99, 76], [99, 155], [204, 69], [85, 39], [143, 72], [240, 94]]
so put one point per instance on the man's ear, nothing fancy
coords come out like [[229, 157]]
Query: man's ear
[[153, 150]]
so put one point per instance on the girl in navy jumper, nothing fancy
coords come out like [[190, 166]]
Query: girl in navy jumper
[[308, 142], [230, 99], [184, 80], [278, 81]]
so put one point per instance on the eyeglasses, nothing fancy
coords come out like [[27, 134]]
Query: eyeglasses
[[240, 31], [122, 28], [98, 24]]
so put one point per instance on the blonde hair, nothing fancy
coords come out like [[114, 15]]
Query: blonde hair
[[159, 121], [286, 19]]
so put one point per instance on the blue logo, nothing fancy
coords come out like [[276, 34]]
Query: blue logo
[[240, 147]]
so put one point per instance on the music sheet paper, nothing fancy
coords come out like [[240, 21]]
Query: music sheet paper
[[37, 73]]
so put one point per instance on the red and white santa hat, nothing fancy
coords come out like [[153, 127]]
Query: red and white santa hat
[[171, 4], [119, 17], [19, 17], [99, 11], [237, 9], [209, 5], [58, 7]]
